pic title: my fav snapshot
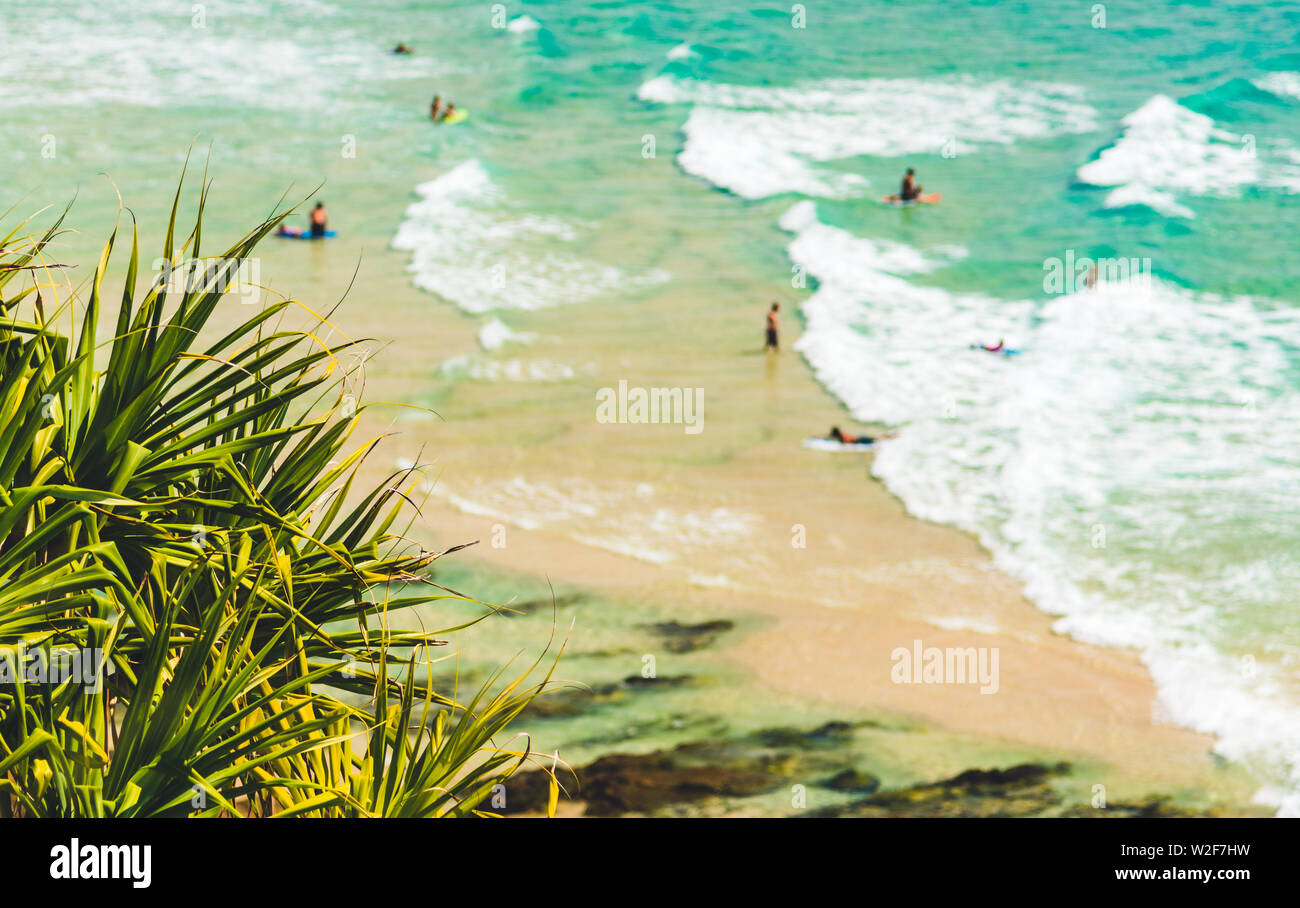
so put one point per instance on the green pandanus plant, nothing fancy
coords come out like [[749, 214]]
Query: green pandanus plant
[[180, 508]]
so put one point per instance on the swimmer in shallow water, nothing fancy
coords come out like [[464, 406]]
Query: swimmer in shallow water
[[319, 220], [773, 336]]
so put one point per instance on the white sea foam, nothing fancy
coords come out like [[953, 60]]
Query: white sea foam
[[522, 25], [152, 57], [495, 334], [482, 368], [682, 51], [1159, 200], [757, 141], [470, 245], [1166, 150], [616, 518], [523, 503], [1134, 466], [1282, 84], [666, 534]]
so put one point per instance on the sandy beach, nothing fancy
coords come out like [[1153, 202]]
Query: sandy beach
[[616, 215], [735, 521], [712, 522], [651, 411]]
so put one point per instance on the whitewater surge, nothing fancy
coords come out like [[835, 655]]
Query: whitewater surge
[[496, 334], [476, 367], [1282, 84], [522, 25], [600, 516], [1166, 150], [1122, 466], [242, 64], [757, 141], [469, 244]]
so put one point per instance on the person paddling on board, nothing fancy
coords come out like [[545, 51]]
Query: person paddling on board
[[843, 439], [319, 220], [836, 435], [909, 192], [998, 349], [402, 49], [773, 341]]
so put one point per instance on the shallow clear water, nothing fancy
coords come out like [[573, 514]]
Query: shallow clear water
[[1135, 464]]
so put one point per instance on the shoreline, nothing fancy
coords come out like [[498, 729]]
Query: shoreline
[[816, 656], [1108, 513], [710, 517], [871, 578]]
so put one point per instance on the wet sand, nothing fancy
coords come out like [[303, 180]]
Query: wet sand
[[713, 520]]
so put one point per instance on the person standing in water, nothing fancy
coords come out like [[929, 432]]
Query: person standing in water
[[319, 220], [436, 107], [773, 341]]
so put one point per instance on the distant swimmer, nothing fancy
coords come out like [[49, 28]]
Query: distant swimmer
[[1000, 347], [435, 108], [402, 49], [773, 341], [319, 220]]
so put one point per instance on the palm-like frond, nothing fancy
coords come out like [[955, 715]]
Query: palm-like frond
[[189, 508]]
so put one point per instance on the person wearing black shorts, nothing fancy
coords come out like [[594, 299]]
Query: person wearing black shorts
[[773, 341], [319, 220]]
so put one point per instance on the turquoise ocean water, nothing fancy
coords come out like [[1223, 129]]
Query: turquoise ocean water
[[1136, 464]]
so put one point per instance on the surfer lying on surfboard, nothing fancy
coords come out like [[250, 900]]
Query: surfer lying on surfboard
[[836, 435]]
